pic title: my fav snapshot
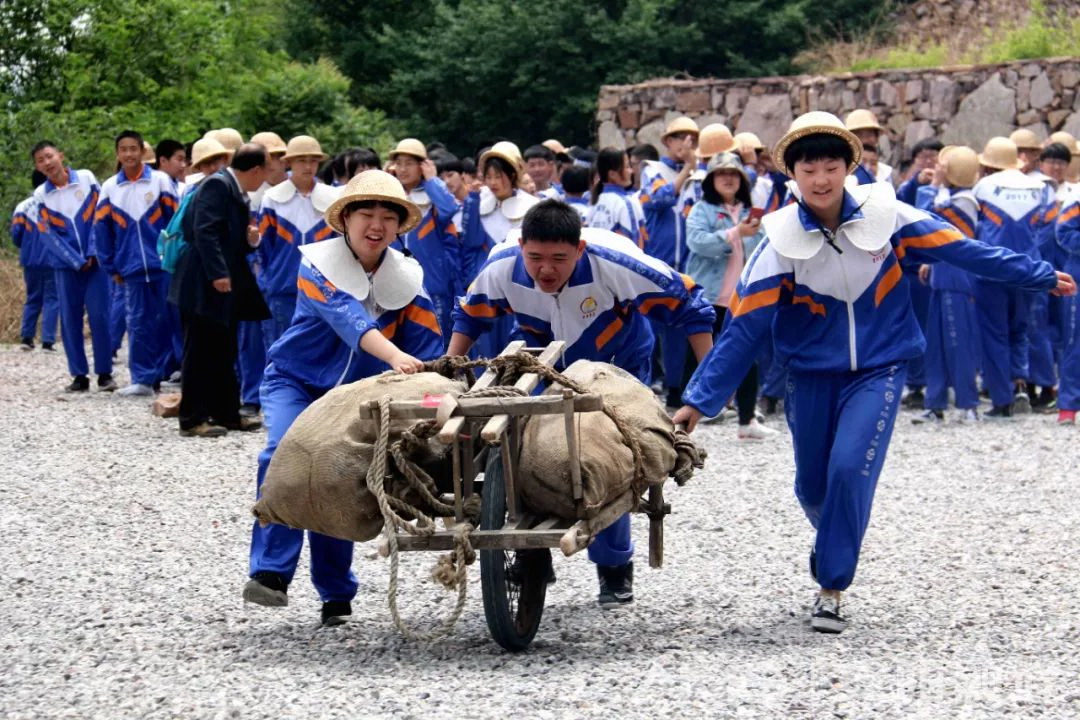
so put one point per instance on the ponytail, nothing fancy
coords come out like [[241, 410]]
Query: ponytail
[[608, 160]]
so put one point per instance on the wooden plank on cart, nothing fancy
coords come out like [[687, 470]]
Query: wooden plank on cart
[[487, 539], [491, 406], [454, 425], [496, 426]]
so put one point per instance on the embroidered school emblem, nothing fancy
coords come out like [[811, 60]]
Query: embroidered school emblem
[[588, 306], [149, 196]]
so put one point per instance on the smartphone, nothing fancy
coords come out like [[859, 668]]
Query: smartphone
[[757, 213]]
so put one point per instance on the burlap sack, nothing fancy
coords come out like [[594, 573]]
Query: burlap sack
[[607, 465], [316, 479]]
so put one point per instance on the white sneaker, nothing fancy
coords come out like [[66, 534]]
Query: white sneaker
[[826, 617], [136, 390], [929, 417], [971, 415], [1021, 404], [756, 431], [724, 414]]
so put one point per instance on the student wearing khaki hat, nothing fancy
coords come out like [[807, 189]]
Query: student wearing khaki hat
[[290, 216], [208, 156], [864, 125], [1028, 146], [362, 310], [827, 283], [434, 241]]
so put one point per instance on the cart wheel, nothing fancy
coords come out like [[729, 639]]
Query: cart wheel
[[513, 595]]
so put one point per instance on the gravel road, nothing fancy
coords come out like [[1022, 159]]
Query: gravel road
[[125, 549]]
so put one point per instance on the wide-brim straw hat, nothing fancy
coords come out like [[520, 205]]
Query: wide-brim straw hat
[[961, 165], [271, 141], [409, 146], [749, 140], [714, 139], [556, 147], [726, 161], [1065, 139], [680, 125], [148, 155], [504, 150], [230, 138], [205, 149], [303, 146], [377, 186], [817, 122], [1025, 139], [1000, 153], [862, 119]]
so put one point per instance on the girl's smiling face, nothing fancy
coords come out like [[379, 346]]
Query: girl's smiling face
[[821, 183], [369, 231]]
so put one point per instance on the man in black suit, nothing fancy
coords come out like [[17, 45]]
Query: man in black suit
[[214, 289]]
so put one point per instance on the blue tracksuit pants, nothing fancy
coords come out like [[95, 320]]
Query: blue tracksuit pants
[[1040, 342], [149, 338], [117, 313], [282, 308], [1069, 387], [841, 425], [41, 300], [85, 292], [920, 305], [276, 548], [952, 350], [250, 360], [771, 373], [1003, 316]]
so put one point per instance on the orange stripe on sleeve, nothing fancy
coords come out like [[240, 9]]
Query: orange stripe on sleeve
[[668, 302], [609, 332], [102, 212], [955, 218], [426, 228], [990, 214], [1069, 214], [931, 240], [310, 289], [265, 223], [482, 310], [815, 308], [154, 216], [752, 302], [424, 317], [285, 234], [323, 233], [888, 281]]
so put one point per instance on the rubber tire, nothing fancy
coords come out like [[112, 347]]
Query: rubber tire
[[512, 628]]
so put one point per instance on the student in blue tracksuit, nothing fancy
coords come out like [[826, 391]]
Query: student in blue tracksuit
[[952, 328], [39, 274], [827, 282], [1011, 206], [594, 289], [66, 202], [924, 158], [361, 310], [575, 183], [1068, 239], [135, 206], [612, 207], [434, 242]]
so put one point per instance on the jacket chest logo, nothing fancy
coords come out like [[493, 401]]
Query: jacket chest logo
[[79, 195], [588, 307], [880, 255]]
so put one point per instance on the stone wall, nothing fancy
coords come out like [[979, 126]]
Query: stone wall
[[960, 105]]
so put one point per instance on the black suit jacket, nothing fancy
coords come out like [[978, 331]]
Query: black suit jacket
[[215, 226]]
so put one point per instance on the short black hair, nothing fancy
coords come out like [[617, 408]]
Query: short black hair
[[709, 194], [369, 204], [445, 162], [644, 151], [552, 221], [504, 167], [133, 135], [1056, 151], [538, 151], [575, 179], [41, 145], [468, 166], [167, 148], [819, 146], [248, 156], [926, 144]]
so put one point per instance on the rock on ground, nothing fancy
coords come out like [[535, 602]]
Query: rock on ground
[[125, 549]]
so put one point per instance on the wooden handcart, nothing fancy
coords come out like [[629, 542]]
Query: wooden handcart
[[484, 434]]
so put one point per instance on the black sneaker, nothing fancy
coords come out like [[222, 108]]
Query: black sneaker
[[48, 347], [522, 559], [1044, 399], [26, 344], [80, 383], [826, 617], [249, 410], [105, 382], [267, 589], [813, 564], [915, 399], [336, 612], [999, 412], [616, 585]]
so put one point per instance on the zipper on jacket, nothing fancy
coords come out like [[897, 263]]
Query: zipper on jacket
[[830, 237], [142, 250]]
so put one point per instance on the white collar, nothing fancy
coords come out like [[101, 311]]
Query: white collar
[[871, 232], [322, 195], [394, 284]]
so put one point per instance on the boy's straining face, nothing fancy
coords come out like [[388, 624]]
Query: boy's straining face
[[821, 183], [129, 154], [550, 264]]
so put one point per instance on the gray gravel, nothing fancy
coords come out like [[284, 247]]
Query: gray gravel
[[125, 549]]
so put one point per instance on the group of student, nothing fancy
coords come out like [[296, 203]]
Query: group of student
[[804, 265]]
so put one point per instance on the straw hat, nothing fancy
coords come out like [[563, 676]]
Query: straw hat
[[148, 155], [680, 125], [714, 138], [231, 139], [271, 141], [556, 147], [726, 161], [1065, 139], [1025, 139], [410, 146], [961, 165], [206, 149], [749, 140], [303, 146], [862, 120], [373, 185], [1000, 153], [816, 122], [506, 150]]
